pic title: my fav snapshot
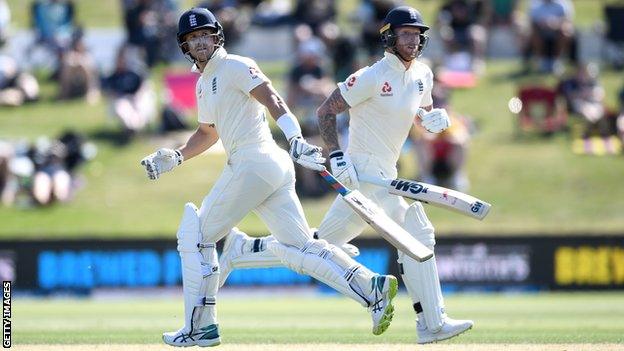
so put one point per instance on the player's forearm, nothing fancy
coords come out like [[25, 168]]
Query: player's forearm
[[267, 95], [199, 142], [327, 127], [326, 114], [277, 107]]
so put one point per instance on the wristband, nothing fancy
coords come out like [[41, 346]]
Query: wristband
[[289, 125], [180, 157], [337, 153]]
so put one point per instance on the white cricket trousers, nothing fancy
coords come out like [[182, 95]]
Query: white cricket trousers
[[341, 224], [259, 178]]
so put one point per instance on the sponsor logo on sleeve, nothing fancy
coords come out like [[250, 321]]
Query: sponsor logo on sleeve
[[351, 82]]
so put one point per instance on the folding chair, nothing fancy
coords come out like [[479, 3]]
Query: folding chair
[[539, 111]]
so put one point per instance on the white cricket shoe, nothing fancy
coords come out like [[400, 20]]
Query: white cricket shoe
[[232, 249], [384, 289], [450, 328], [206, 336]]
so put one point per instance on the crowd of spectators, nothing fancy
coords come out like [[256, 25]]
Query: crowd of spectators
[[324, 53], [43, 172]]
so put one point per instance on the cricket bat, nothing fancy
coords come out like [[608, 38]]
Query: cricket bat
[[379, 220], [432, 194]]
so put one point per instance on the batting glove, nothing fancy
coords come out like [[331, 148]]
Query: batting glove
[[434, 121], [307, 155], [161, 161], [343, 169]]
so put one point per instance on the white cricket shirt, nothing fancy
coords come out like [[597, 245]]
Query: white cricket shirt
[[384, 100], [223, 99]]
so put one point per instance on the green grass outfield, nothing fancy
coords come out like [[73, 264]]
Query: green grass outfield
[[536, 185], [539, 319]]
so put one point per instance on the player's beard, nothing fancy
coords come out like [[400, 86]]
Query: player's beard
[[408, 52], [202, 49], [203, 53]]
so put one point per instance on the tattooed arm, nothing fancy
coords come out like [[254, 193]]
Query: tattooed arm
[[326, 114]]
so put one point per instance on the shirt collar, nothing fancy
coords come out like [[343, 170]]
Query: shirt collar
[[396, 63], [214, 61]]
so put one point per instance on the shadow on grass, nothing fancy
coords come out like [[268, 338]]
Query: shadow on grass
[[115, 137]]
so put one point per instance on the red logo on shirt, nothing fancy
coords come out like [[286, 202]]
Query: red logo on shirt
[[351, 81], [386, 89]]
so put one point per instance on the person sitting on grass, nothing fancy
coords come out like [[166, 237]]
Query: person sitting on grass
[[131, 97]]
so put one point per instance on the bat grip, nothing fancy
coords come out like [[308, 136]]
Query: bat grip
[[334, 183]]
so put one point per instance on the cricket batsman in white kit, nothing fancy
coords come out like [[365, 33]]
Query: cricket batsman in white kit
[[384, 100], [232, 94]]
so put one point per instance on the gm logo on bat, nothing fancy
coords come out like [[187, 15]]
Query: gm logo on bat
[[403, 185], [476, 207]]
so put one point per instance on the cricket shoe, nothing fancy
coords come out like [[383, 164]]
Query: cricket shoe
[[450, 328], [206, 336], [232, 249], [384, 289]]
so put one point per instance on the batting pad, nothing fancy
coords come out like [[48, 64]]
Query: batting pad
[[200, 268], [423, 285], [327, 264]]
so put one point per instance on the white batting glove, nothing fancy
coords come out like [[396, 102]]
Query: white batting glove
[[307, 155], [161, 161], [343, 169], [434, 121]]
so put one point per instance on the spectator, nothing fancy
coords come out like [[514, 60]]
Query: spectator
[[16, 172], [461, 30], [270, 12], [309, 82], [56, 163], [149, 27], [503, 12], [314, 13], [78, 75], [5, 21], [308, 85], [7, 179], [614, 35], [441, 157], [16, 87], [584, 97], [51, 181], [342, 51], [371, 14], [131, 96], [233, 19], [552, 33], [54, 23]]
